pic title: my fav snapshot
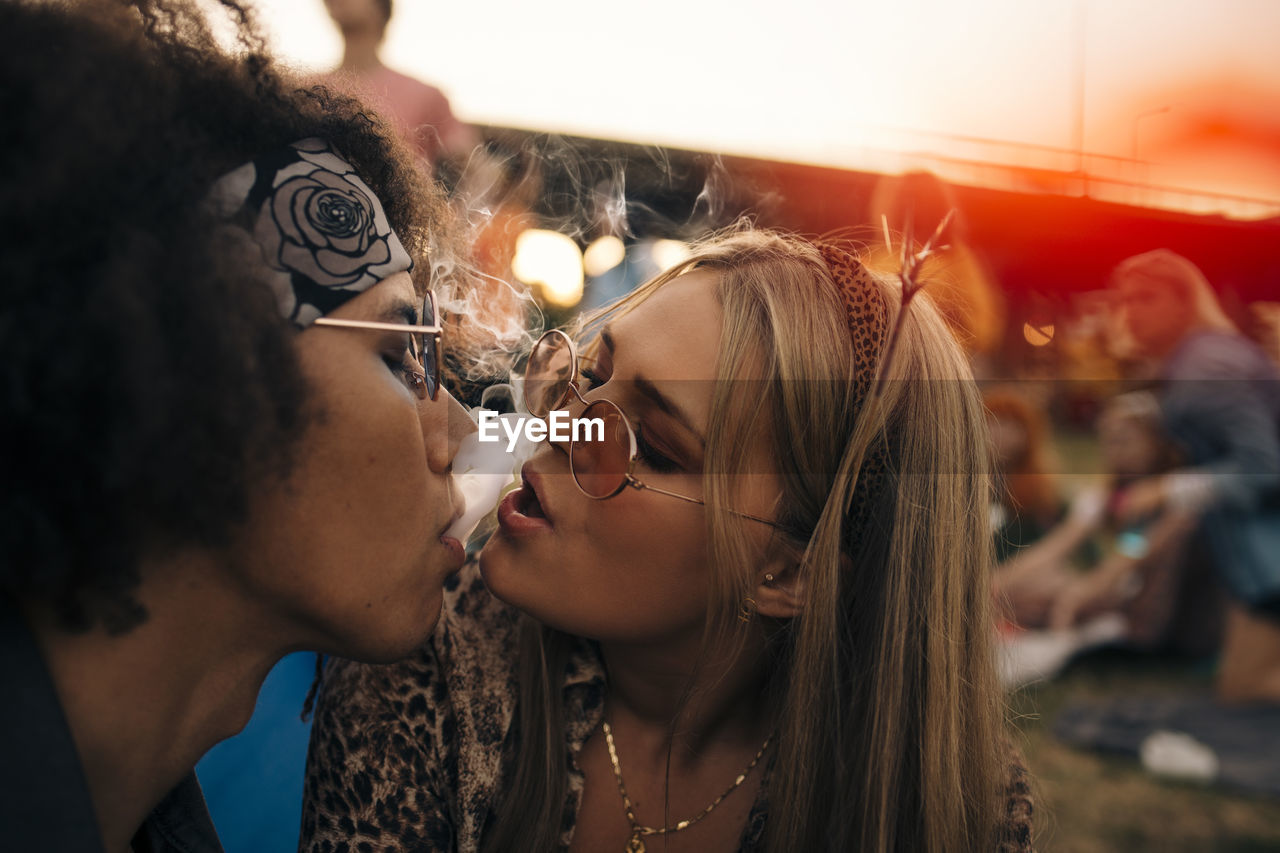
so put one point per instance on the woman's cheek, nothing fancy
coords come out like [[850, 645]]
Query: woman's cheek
[[623, 530]]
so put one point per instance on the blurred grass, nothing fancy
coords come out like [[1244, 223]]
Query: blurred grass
[[1088, 802]]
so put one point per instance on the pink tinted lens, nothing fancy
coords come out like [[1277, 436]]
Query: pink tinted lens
[[599, 465], [548, 374]]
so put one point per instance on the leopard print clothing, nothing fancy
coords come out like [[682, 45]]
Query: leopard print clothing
[[410, 756]]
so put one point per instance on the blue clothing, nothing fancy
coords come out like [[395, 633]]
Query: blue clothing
[[1220, 399], [253, 781]]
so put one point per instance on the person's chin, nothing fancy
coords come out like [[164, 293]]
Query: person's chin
[[398, 638], [493, 559], [501, 549], [502, 570]]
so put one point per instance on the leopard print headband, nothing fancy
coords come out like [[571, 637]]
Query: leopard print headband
[[867, 317], [865, 313]]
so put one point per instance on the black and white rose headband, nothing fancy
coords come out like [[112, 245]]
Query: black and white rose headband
[[320, 229]]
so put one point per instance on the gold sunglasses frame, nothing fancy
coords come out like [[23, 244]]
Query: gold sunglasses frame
[[435, 330], [629, 478]]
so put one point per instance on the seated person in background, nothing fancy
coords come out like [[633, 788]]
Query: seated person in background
[[1219, 397], [1027, 503], [1146, 570]]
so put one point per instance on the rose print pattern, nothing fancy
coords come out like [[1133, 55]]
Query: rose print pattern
[[318, 227]]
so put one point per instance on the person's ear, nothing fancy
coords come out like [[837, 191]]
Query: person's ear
[[780, 586]]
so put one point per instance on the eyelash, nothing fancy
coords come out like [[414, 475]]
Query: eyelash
[[400, 366], [593, 380], [648, 454]]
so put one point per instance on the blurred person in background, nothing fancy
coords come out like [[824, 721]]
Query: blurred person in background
[[1220, 400], [420, 112], [961, 281], [1027, 499], [491, 194], [1139, 567], [225, 437]]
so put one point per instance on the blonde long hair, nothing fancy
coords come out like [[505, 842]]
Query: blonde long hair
[[890, 724]]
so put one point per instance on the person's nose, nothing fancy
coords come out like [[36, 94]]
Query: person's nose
[[444, 424], [575, 404]]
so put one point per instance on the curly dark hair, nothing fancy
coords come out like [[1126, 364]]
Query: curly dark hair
[[148, 382]]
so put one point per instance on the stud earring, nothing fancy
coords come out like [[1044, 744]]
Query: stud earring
[[768, 579]]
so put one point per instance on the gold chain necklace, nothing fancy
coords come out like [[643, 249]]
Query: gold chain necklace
[[638, 831]]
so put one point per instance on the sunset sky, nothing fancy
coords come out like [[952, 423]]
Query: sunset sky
[[1194, 85]]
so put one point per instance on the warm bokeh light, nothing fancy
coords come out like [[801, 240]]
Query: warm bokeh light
[[1037, 336], [668, 253], [603, 254], [551, 261]]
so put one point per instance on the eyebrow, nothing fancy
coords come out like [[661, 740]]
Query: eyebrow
[[649, 390]]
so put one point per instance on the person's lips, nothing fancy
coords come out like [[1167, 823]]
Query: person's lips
[[457, 552], [522, 512]]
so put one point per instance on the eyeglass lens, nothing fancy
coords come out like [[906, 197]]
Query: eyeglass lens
[[548, 374], [429, 345], [600, 467]]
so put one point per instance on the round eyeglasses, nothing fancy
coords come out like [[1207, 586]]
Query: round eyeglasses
[[424, 345], [600, 468]]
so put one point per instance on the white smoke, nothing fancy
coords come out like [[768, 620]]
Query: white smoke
[[484, 471]]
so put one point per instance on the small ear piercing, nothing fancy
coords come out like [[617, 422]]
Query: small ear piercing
[[748, 606]]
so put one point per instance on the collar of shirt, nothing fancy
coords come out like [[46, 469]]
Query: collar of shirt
[[45, 803]]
